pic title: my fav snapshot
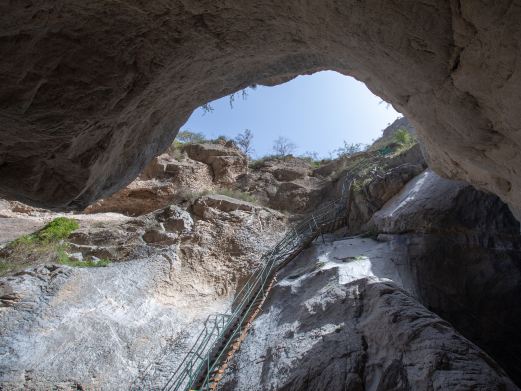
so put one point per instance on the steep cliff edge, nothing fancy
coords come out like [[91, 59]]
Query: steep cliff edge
[[338, 319], [350, 312]]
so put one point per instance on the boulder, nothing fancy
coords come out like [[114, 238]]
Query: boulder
[[164, 181], [222, 203], [297, 196], [227, 162], [429, 203], [286, 169], [176, 219]]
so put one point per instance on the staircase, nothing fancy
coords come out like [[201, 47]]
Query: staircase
[[204, 365]]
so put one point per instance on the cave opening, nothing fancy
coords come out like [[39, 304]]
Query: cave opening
[[464, 298], [338, 108], [92, 94]]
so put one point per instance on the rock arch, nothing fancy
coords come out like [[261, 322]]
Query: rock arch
[[91, 91]]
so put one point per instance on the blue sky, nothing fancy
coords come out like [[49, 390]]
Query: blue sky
[[316, 112]]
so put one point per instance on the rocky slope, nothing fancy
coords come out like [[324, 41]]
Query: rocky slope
[[103, 327], [349, 312], [289, 184], [338, 319], [189, 171]]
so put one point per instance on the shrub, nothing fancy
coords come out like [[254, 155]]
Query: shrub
[[188, 137], [176, 150], [349, 149], [385, 150], [64, 259], [403, 137], [256, 164], [46, 245], [58, 229], [6, 267], [313, 163], [221, 140], [313, 159]]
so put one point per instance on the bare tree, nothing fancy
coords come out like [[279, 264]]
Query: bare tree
[[312, 155], [244, 141], [283, 147], [350, 149]]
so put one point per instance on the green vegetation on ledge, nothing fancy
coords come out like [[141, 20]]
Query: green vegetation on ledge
[[43, 246]]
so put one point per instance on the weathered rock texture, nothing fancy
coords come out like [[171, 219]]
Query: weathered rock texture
[[332, 322], [174, 177], [92, 92], [334, 319], [105, 328], [335, 322], [459, 252], [288, 183], [283, 183]]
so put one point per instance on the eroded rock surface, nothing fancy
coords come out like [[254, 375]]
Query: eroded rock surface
[[287, 183], [132, 321], [335, 321], [442, 244], [166, 180], [91, 93], [346, 313], [226, 161], [459, 251]]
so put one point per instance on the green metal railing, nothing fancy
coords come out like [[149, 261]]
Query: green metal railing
[[220, 330]]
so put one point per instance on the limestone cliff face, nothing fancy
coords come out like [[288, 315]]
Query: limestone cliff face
[[92, 92], [131, 322], [460, 253], [289, 184], [351, 311], [335, 321]]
